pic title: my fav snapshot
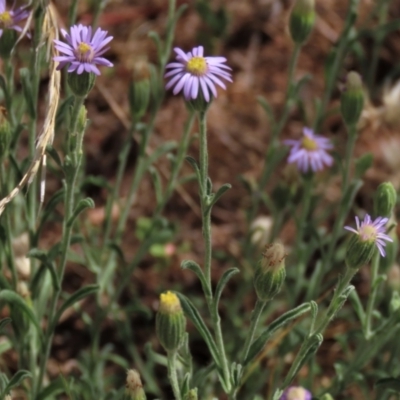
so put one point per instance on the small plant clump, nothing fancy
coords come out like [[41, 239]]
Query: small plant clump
[[264, 325]]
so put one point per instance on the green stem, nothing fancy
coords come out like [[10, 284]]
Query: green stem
[[268, 166], [123, 159], [337, 62], [255, 317], [352, 131], [368, 333], [206, 223], [100, 5], [331, 311], [35, 77], [204, 198], [8, 231], [70, 183], [339, 221], [383, 8], [139, 172], [323, 323], [9, 94], [182, 150], [307, 195], [289, 98], [169, 34], [72, 12], [172, 374]]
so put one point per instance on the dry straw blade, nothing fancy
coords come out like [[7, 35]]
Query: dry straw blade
[[49, 33]]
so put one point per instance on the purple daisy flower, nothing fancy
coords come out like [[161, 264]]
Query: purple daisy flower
[[372, 232], [10, 18], [193, 72], [310, 152], [296, 393], [83, 51]]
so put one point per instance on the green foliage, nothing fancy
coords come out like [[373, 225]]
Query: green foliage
[[85, 262]]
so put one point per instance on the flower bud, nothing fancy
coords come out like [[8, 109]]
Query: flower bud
[[134, 387], [261, 229], [139, 90], [270, 272], [7, 42], [393, 277], [81, 84], [191, 395], [199, 104], [394, 302], [5, 133], [352, 99], [302, 20], [359, 252], [170, 321], [385, 199]]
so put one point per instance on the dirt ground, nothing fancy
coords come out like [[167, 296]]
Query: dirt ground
[[258, 47]]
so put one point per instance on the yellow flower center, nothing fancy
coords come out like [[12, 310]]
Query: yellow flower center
[[169, 303], [368, 233], [197, 66], [309, 144], [5, 19], [84, 51]]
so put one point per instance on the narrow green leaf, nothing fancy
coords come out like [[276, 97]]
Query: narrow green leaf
[[388, 384], [47, 263], [4, 322], [14, 299], [192, 313], [52, 152], [81, 206], [159, 151], [27, 91], [3, 85], [260, 342], [314, 314], [117, 249], [219, 193], [98, 181], [309, 348], [54, 388], [78, 295], [62, 111], [222, 283], [53, 202], [156, 39], [306, 78], [268, 110], [157, 184], [363, 164], [193, 163], [194, 267], [17, 379]]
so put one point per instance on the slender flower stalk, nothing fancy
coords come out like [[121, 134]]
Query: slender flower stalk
[[83, 51], [367, 323], [206, 221], [198, 77]]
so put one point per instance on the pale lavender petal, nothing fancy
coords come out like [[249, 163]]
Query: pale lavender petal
[[191, 81]]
